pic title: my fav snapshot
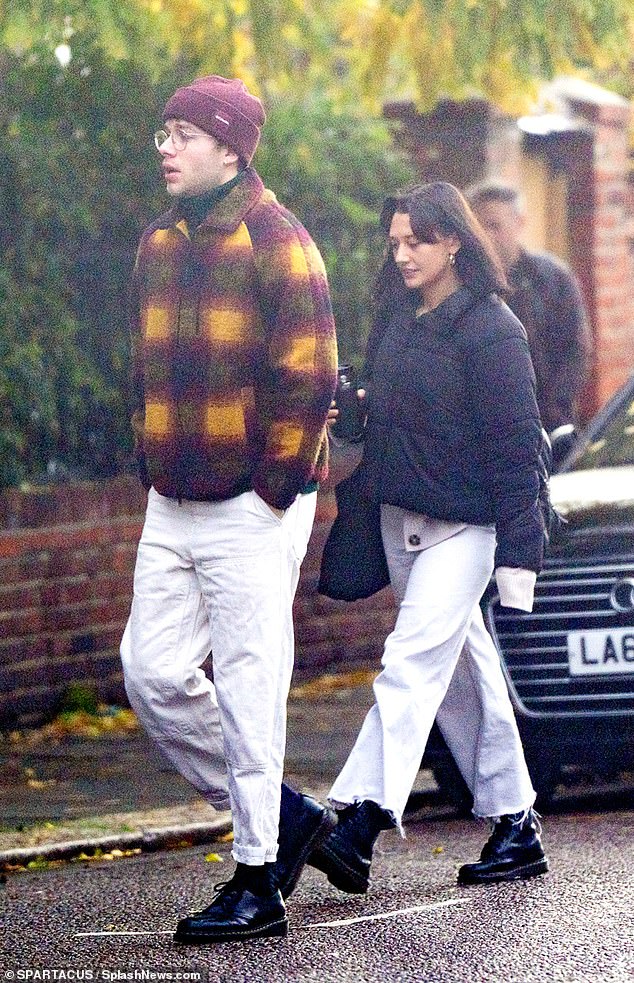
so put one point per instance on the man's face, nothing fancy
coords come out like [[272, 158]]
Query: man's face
[[193, 161], [504, 225]]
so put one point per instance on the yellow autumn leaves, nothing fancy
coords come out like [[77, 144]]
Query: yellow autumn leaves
[[374, 50]]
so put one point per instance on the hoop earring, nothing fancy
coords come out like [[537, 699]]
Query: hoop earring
[[452, 259]]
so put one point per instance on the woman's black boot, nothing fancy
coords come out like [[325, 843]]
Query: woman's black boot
[[345, 856], [513, 852]]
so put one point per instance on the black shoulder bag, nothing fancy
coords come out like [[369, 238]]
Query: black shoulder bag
[[353, 563]]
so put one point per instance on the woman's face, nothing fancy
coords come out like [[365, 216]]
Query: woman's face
[[424, 266]]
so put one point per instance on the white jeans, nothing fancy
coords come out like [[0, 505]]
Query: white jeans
[[219, 576], [439, 661]]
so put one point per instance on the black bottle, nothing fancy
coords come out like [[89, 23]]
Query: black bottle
[[349, 423]]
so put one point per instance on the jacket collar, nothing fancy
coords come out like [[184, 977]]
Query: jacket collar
[[227, 214], [443, 318]]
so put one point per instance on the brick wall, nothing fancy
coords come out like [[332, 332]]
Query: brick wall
[[66, 561], [66, 556], [612, 243]]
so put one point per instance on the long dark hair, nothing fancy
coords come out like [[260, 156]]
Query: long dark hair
[[436, 210]]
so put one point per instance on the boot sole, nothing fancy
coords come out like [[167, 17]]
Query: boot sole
[[338, 872], [278, 929], [326, 825], [522, 873]]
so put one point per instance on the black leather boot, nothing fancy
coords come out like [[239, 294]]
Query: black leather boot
[[346, 855], [304, 825], [246, 907], [513, 852]]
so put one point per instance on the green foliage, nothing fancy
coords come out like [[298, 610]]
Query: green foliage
[[80, 180], [79, 696], [333, 166], [116, 30], [502, 50], [77, 179]]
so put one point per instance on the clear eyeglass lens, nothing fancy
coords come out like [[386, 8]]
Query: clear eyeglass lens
[[179, 139]]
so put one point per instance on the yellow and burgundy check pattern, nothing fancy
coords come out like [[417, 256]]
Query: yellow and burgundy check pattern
[[234, 351]]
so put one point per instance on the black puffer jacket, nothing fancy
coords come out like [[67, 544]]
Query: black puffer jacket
[[453, 427]]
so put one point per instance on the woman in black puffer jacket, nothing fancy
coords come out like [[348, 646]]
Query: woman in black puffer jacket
[[452, 454]]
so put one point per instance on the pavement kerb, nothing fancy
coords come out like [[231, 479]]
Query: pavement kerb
[[148, 841], [150, 838]]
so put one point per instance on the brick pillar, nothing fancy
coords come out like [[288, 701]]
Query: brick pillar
[[612, 238]]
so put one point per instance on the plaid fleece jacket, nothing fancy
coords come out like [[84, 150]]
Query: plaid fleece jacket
[[233, 352]]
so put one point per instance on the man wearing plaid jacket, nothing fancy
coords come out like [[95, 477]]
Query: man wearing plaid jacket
[[234, 367]]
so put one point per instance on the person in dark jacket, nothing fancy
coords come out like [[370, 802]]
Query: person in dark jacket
[[545, 296], [452, 454]]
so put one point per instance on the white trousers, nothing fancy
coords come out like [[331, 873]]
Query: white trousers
[[438, 662], [220, 577]]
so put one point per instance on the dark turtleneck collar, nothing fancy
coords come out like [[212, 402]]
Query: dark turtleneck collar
[[194, 209]]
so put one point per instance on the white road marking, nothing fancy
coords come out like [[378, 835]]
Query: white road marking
[[86, 935], [391, 914]]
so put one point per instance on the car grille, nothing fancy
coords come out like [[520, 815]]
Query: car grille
[[534, 646]]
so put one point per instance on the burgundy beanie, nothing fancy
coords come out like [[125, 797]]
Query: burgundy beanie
[[222, 107]]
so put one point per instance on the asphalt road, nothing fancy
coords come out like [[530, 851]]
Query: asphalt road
[[114, 920]]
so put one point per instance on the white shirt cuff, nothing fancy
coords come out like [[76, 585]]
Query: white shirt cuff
[[516, 587]]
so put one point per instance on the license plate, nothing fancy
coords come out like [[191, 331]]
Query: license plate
[[598, 652]]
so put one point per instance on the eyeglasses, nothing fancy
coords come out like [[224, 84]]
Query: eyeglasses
[[179, 137]]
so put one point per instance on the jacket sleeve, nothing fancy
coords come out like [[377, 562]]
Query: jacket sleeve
[[569, 345], [298, 382], [137, 395], [508, 422]]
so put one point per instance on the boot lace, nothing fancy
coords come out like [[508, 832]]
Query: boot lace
[[223, 889], [518, 819]]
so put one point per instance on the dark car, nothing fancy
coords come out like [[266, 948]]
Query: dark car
[[569, 665]]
